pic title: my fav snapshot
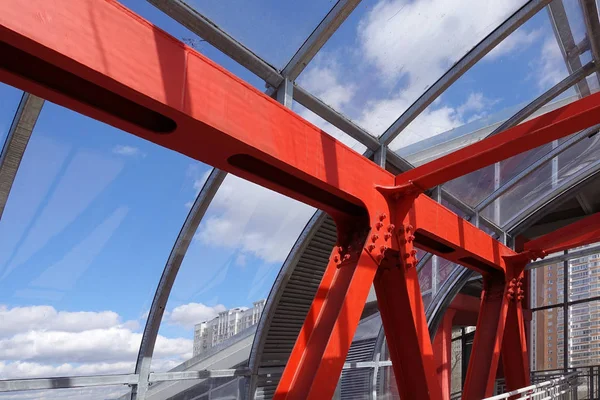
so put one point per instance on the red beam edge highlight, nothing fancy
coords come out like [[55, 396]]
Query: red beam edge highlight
[[553, 125], [580, 233]]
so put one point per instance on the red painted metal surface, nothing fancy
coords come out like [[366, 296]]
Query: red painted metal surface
[[442, 352], [98, 58], [580, 233]]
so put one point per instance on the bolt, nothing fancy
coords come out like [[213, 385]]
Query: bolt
[[519, 284], [409, 228], [379, 258], [340, 249], [346, 257], [413, 252], [408, 265], [387, 236], [336, 259], [374, 237], [371, 247], [411, 238], [383, 249], [382, 216], [406, 256], [378, 225], [391, 227]]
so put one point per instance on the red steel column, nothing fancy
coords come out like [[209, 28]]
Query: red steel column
[[442, 353], [514, 349], [487, 344], [403, 316]]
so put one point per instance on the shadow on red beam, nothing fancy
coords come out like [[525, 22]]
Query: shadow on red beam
[[441, 232], [583, 232]]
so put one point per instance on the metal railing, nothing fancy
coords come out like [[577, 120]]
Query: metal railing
[[563, 387]]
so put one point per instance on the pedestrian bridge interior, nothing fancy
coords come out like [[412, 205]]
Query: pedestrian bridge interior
[[285, 200]]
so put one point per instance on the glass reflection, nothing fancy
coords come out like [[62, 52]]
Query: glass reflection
[[228, 271], [89, 223]]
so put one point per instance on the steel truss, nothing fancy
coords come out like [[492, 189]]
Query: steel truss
[[151, 85]]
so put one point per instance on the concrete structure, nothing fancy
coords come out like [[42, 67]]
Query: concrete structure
[[228, 323]]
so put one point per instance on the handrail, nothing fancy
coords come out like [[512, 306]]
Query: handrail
[[529, 391]]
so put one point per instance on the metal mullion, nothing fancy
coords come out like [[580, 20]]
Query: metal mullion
[[565, 313], [592, 25], [12, 385], [165, 285], [571, 255], [16, 142], [317, 39], [573, 140], [463, 65], [566, 43]]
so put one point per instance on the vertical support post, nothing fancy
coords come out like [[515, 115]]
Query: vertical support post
[[380, 156], [315, 364], [554, 166], [404, 322], [442, 352], [285, 93], [566, 313], [514, 347], [485, 355], [497, 179]]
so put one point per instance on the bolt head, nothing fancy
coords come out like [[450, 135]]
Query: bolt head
[[378, 225], [387, 236], [374, 237], [346, 257], [409, 228], [382, 216], [371, 247], [391, 227], [336, 258]]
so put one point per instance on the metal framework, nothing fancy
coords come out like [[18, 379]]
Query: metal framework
[[379, 217]]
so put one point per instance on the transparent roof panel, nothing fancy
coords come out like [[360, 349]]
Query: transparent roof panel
[[230, 267], [87, 228], [9, 102], [529, 59], [556, 174], [113, 392], [272, 29], [389, 52]]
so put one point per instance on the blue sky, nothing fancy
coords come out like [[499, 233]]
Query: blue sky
[[94, 211]]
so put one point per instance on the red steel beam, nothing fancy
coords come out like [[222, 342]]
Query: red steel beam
[[98, 58], [580, 233]]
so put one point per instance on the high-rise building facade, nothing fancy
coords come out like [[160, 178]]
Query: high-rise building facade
[[583, 318], [226, 324]]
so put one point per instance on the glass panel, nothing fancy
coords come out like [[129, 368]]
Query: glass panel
[[169, 25], [226, 275], [456, 364], [89, 223], [389, 52], [425, 276], [272, 29], [528, 59], [584, 334], [386, 384], [581, 158], [547, 339], [226, 388], [547, 285], [9, 102], [89, 393], [584, 277]]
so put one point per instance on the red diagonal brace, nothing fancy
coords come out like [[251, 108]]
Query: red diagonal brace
[[98, 58], [580, 233]]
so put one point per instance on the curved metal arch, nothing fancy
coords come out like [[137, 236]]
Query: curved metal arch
[[462, 66], [16, 142], [161, 296], [276, 293]]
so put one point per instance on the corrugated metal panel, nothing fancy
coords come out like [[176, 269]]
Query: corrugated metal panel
[[293, 304]]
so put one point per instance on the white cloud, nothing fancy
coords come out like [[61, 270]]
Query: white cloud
[[517, 41], [322, 80], [41, 341], [22, 319], [254, 220], [188, 315], [551, 68], [125, 150], [419, 40]]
